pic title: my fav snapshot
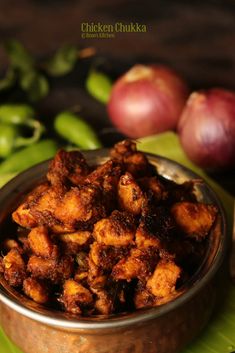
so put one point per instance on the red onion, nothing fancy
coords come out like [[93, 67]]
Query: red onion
[[207, 128], [147, 100]]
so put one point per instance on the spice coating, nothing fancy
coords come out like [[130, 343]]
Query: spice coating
[[106, 239]]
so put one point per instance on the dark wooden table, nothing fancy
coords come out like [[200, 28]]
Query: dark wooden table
[[196, 38]]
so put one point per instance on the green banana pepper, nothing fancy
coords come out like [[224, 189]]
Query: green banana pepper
[[74, 129], [99, 86], [8, 136], [12, 118], [16, 114], [28, 156]]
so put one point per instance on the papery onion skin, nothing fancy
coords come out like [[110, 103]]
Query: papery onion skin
[[147, 100], [207, 128]]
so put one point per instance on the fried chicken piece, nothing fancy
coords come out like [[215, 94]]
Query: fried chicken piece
[[123, 148], [75, 297], [67, 166], [14, 268], [22, 215], [145, 240], [80, 208], [96, 279], [44, 207], [39, 207], [116, 230], [154, 188], [142, 297], [51, 269], [135, 162], [64, 212], [146, 236], [72, 243], [194, 219], [104, 256], [138, 165], [41, 243], [139, 264], [130, 196], [110, 297], [106, 176], [104, 302], [65, 267], [163, 281], [108, 172], [156, 226], [36, 290]]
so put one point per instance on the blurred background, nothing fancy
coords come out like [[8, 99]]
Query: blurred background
[[194, 37]]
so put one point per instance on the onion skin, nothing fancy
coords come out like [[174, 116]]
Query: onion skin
[[147, 100], [207, 128]]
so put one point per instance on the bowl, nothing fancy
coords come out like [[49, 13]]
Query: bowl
[[163, 329]]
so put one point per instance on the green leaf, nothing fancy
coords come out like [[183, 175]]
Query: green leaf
[[35, 85], [8, 81], [63, 61], [4, 178], [19, 57], [6, 346], [218, 336]]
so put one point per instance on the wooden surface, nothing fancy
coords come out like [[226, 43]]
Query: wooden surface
[[196, 38]]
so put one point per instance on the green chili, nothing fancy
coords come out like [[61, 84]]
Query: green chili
[[99, 86], [8, 135], [19, 114], [12, 118], [28, 157], [73, 128]]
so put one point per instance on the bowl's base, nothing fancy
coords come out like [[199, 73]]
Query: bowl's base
[[166, 334]]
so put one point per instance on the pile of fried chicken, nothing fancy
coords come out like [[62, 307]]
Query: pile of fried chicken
[[106, 239]]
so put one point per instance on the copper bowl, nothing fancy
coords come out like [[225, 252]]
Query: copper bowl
[[164, 329]]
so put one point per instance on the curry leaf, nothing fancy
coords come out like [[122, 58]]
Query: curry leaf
[[8, 80], [19, 57], [63, 61], [35, 85]]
